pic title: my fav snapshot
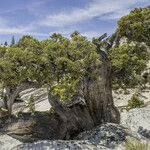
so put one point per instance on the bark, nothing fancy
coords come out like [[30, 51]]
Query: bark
[[11, 93], [92, 106]]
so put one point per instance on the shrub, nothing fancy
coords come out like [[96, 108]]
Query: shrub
[[135, 102], [135, 145]]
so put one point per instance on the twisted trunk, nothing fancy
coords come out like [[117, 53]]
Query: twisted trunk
[[92, 106]]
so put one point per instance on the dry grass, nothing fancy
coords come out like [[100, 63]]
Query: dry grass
[[136, 145]]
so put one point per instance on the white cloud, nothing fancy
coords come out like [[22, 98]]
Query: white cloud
[[5, 29], [29, 29], [97, 8], [115, 15], [91, 34], [10, 30], [21, 31], [29, 7], [103, 9], [3, 22]]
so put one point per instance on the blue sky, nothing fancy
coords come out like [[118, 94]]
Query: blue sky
[[40, 18]]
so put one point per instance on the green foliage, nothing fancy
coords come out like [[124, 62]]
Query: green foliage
[[128, 62], [58, 62], [135, 145], [2, 51], [29, 43], [69, 60], [21, 62], [136, 25], [129, 59], [135, 102]]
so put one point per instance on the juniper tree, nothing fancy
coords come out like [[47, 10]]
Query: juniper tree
[[77, 73]]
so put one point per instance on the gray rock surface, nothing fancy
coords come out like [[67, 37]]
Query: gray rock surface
[[108, 135], [7, 142], [134, 124], [41, 100], [135, 118], [144, 132], [60, 145], [121, 97]]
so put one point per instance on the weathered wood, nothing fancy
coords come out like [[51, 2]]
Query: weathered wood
[[92, 106]]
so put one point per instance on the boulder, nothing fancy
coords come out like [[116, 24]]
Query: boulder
[[108, 135], [40, 96], [28, 127], [105, 137], [7, 142], [137, 119], [60, 145]]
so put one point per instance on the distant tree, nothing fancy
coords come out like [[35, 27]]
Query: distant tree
[[13, 40], [5, 43]]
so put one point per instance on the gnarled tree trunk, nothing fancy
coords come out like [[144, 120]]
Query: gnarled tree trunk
[[91, 107]]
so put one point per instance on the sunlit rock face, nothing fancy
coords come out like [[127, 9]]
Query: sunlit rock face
[[60, 145], [7, 142], [136, 118], [40, 96]]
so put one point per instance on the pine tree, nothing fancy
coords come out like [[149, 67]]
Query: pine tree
[[13, 40], [5, 43]]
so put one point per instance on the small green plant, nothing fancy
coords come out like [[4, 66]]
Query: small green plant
[[136, 145], [135, 102], [52, 110]]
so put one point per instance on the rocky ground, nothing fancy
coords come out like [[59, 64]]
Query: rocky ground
[[121, 97], [7, 142], [105, 137], [135, 123], [41, 99]]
